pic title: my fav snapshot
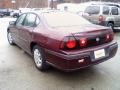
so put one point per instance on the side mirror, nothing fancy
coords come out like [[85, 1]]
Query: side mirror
[[12, 23]]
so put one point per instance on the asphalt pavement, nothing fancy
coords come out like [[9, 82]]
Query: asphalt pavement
[[17, 71]]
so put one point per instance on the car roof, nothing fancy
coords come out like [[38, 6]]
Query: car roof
[[43, 11], [103, 3]]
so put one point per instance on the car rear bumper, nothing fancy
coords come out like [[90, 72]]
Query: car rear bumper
[[68, 62]]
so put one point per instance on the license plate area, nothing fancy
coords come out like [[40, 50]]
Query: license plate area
[[99, 53]]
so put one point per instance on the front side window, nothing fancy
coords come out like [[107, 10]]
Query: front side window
[[20, 20], [114, 11], [106, 10], [30, 20], [92, 10]]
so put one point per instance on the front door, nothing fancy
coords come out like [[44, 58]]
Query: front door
[[26, 31], [17, 28]]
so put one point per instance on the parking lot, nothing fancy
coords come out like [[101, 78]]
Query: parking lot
[[17, 71]]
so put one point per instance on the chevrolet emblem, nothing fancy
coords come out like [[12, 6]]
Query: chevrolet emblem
[[97, 39]]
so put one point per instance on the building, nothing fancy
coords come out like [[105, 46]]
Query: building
[[37, 3], [5, 4], [33, 3]]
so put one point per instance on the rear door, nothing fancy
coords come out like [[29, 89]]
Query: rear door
[[116, 15]]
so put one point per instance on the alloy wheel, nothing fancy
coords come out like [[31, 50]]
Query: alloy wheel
[[10, 38], [37, 58]]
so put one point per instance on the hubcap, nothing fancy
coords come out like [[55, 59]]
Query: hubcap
[[10, 38], [37, 58], [111, 26]]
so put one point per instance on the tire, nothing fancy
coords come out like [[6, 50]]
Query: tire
[[1, 16], [10, 39], [39, 58], [111, 25]]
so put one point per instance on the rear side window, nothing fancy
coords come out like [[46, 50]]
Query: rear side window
[[114, 11], [106, 10], [92, 10]]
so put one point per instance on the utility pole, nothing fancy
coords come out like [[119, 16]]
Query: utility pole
[[28, 3], [13, 3], [52, 4], [48, 4]]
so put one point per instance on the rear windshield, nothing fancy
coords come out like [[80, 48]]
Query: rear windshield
[[64, 19], [92, 10]]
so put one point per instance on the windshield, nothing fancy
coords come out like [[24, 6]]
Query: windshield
[[64, 19]]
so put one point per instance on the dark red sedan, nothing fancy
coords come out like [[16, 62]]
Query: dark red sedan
[[61, 39]]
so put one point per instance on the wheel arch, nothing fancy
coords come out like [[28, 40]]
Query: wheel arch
[[111, 22], [32, 44], [8, 29]]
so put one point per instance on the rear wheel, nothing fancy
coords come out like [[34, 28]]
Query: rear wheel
[[39, 58], [111, 25], [1, 16]]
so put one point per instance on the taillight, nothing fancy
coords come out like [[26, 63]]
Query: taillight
[[101, 18], [68, 43], [109, 37], [83, 42], [71, 44]]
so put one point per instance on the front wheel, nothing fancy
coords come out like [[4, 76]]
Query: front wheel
[[111, 25], [39, 58], [10, 39]]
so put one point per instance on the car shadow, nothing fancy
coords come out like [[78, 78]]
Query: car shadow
[[91, 74], [89, 71]]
